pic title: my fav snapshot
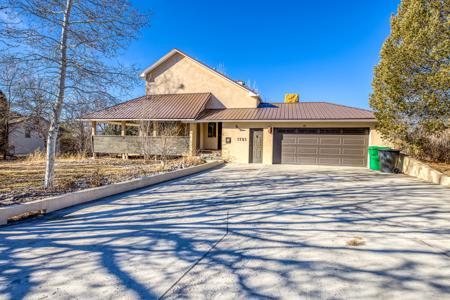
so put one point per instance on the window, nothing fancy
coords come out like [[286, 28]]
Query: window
[[330, 131], [27, 132], [355, 131], [211, 129]]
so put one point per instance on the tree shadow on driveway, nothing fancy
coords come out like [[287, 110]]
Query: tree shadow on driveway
[[288, 234]]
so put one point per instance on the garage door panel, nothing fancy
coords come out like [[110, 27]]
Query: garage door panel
[[289, 139], [330, 141], [307, 160], [290, 160], [354, 140], [354, 151], [330, 151], [307, 150], [306, 141], [330, 161], [295, 139], [289, 148], [345, 149]]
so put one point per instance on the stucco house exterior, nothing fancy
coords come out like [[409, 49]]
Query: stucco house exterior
[[25, 137], [221, 115]]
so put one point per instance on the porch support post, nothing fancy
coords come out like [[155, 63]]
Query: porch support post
[[123, 133], [193, 139], [155, 128], [93, 133]]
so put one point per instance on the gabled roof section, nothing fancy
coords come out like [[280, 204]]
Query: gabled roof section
[[155, 107], [302, 111], [176, 51]]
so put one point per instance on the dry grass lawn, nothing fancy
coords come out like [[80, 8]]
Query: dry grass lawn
[[22, 180], [441, 167]]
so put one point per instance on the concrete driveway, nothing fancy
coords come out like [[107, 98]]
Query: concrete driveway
[[287, 238]]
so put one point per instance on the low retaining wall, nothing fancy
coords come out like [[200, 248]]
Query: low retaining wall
[[70, 199], [415, 168]]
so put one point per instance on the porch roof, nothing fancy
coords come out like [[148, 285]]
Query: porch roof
[[155, 107], [302, 111]]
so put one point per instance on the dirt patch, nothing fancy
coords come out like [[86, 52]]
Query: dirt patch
[[356, 242], [22, 180]]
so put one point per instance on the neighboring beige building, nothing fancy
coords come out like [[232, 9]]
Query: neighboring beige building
[[24, 138], [223, 116]]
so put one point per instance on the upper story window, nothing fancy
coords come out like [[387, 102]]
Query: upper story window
[[211, 129]]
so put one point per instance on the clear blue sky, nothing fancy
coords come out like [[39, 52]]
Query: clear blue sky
[[323, 50]]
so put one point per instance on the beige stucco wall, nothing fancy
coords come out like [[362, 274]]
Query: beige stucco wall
[[182, 75], [238, 150], [375, 139], [209, 143], [21, 145]]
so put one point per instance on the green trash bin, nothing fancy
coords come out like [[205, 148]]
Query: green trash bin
[[374, 160]]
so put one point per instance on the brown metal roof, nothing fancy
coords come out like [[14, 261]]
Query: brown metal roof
[[155, 107], [289, 112], [192, 107]]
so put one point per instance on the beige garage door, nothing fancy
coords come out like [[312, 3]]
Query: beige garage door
[[324, 146]]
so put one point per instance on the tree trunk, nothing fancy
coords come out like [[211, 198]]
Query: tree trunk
[[4, 119], [56, 112], [6, 138]]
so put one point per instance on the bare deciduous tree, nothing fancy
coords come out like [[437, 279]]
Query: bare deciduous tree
[[145, 130], [72, 44], [162, 139], [11, 78], [169, 134]]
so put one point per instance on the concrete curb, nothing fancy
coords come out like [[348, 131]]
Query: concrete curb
[[415, 168], [70, 199]]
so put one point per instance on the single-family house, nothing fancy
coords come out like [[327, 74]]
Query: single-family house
[[26, 135], [217, 114]]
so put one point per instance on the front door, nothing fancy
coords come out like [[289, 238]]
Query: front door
[[198, 137], [256, 146], [219, 136]]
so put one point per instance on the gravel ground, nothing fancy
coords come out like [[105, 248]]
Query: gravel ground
[[294, 232]]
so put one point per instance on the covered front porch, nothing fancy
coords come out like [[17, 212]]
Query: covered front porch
[[149, 138]]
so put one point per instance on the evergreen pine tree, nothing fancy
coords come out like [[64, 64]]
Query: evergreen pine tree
[[411, 85]]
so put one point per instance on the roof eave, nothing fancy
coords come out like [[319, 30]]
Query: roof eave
[[159, 62], [124, 120], [290, 121]]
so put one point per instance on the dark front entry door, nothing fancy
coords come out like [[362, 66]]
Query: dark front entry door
[[219, 136], [197, 144], [256, 148]]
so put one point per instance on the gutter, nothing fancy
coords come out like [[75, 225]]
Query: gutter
[[289, 121]]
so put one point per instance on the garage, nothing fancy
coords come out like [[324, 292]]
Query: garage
[[321, 146]]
